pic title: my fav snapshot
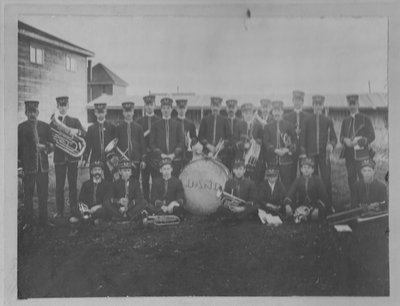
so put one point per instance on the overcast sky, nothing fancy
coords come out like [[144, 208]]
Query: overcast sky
[[214, 55]]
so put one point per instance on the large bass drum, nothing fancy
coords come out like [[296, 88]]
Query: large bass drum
[[201, 180]]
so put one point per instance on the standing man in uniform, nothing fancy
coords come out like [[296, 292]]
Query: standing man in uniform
[[166, 138], [131, 139], [66, 164], [34, 144], [188, 129], [279, 145], [213, 129], [147, 122], [297, 117], [235, 126], [99, 134], [356, 135], [318, 139]]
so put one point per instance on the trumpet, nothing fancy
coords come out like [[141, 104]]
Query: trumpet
[[70, 144], [229, 200], [218, 148]]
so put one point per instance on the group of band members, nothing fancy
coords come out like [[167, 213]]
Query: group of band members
[[294, 161]]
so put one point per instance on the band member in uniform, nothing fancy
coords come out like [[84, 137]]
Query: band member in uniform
[[125, 202], [242, 188], [166, 138], [235, 127], [93, 194], [251, 129], [271, 193], [213, 130], [98, 135], [65, 164], [131, 139], [297, 117], [264, 116], [167, 195], [147, 122], [356, 135], [370, 191], [188, 129], [34, 144], [307, 195], [318, 139], [279, 145]]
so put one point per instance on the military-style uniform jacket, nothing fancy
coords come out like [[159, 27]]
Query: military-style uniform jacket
[[60, 157], [166, 137], [297, 119], [243, 188], [88, 196], [307, 192], [318, 131], [361, 125], [119, 190], [253, 130], [235, 126], [212, 129], [275, 197], [167, 191], [370, 193], [147, 123], [31, 159], [98, 136], [274, 138], [187, 126], [137, 153]]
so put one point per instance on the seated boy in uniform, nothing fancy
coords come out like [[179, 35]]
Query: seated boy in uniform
[[370, 192], [242, 188], [167, 195], [271, 193], [125, 200], [307, 195]]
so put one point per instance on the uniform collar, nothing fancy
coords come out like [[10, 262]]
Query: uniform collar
[[98, 181], [149, 115], [167, 178], [101, 122], [126, 121], [354, 115], [271, 185], [298, 111], [182, 118], [167, 118]]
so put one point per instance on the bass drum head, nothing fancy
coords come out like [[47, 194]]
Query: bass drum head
[[201, 180]]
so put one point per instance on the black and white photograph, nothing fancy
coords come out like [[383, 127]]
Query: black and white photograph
[[174, 151]]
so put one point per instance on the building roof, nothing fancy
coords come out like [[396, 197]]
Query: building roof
[[366, 101], [101, 75], [34, 33]]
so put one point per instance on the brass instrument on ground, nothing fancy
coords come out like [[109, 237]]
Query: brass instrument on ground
[[252, 155], [161, 220], [84, 210], [229, 200], [218, 148], [70, 144]]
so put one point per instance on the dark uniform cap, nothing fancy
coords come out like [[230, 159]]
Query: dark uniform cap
[[31, 105], [265, 102], [62, 101], [96, 163], [100, 106], [128, 105], [271, 172], [125, 164], [166, 101], [239, 162], [217, 101], [277, 104], [367, 163], [307, 161], [149, 99], [318, 99], [298, 94], [165, 161], [246, 107], [181, 103], [352, 99], [231, 103]]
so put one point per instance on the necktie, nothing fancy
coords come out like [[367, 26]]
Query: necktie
[[149, 123], [298, 124], [167, 134], [249, 126], [278, 136], [231, 125], [214, 129], [94, 193], [128, 126], [165, 189], [60, 118], [307, 199], [101, 133], [317, 133], [184, 137], [36, 140], [351, 128]]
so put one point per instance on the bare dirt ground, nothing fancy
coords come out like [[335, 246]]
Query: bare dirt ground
[[201, 257]]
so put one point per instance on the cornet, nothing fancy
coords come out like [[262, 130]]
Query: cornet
[[229, 200], [218, 148]]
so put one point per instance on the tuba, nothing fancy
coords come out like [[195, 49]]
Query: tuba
[[73, 145]]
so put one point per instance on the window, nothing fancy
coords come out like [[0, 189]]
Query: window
[[70, 63], [36, 55]]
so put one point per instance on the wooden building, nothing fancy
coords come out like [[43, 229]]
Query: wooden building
[[48, 67]]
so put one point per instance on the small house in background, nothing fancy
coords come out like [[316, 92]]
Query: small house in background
[[49, 66], [102, 80]]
